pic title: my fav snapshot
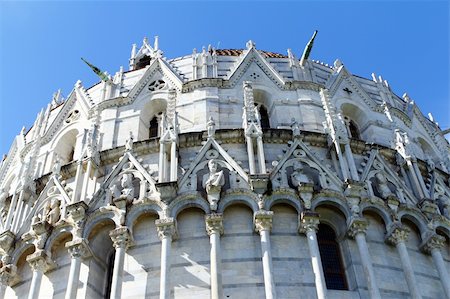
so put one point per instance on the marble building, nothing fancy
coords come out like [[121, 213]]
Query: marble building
[[227, 173]]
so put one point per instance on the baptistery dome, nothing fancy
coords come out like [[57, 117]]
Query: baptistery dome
[[227, 174]]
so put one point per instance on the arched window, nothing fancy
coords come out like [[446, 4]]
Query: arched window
[[330, 256], [109, 274], [264, 116], [352, 128], [154, 127]]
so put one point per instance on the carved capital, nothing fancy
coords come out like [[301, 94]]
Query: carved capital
[[40, 261], [263, 220], [397, 233], [166, 228], [434, 241], [77, 211], [214, 224], [6, 241], [121, 237], [357, 226], [8, 274], [309, 221], [79, 248]]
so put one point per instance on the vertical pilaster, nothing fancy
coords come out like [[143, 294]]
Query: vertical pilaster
[[121, 238], [433, 246], [214, 228], [166, 232], [263, 225], [397, 236], [309, 224], [357, 230]]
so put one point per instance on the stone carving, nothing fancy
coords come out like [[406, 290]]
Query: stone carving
[[52, 211], [213, 185], [56, 169], [129, 143], [126, 182], [3, 207], [298, 178], [295, 128], [382, 186], [444, 206], [211, 126]]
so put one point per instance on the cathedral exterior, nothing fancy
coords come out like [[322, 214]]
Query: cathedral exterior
[[227, 174]]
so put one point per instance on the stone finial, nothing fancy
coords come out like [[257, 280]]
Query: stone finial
[[129, 143], [397, 233], [214, 224], [434, 241], [166, 228], [121, 237], [41, 261], [250, 44], [308, 222], [357, 226], [79, 248], [295, 128], [263, 220]]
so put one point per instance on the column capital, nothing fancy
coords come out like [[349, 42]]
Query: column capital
[[77, 211], [434, 241], [263, 220], [8, 274], [214, 223], [308, 222], [166, 227], [40, 261], [397, 233], [357, 226], [121, 237], [79, 248]]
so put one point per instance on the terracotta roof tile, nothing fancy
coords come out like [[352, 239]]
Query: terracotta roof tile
[[237, 52]]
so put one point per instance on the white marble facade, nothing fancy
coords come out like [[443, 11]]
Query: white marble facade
[[210, 176]]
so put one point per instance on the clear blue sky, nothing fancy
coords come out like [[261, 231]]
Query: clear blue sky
[[41, 43]]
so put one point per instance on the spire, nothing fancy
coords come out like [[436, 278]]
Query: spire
[[102, 75], [308, 49]]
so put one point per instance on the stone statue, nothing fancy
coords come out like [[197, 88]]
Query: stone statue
[[382, 186], [129, 142], [444, 206], [213, 184], [55, 212], [126, 183], [211, 125], [295, 128], [298, 178]]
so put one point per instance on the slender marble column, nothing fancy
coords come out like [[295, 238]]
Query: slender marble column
[[433, 246], [40, 263], [166, 232], [121, 238], [263, 225], [214, 228], [251, 155], [309, 224], [357, 230], [397, 236], [78, 250], [351, 162], [261, 157]]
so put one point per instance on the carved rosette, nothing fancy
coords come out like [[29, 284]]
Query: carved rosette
[[121, 237], [309, 222], [166, 228], [214, 224], [79, 248], [434, 241], [357, 226], [40, 261], [397, 234], [263, 220]]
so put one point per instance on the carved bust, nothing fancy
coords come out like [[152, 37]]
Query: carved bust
[[382, 186], [298, 178]]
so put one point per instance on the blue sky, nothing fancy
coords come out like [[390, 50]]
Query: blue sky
[[41, 43]]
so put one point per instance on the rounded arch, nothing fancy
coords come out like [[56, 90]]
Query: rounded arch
[[65, 145], [24, 247], [185, 201], [248, 199], [289, 198], [355, 119], [415, 217], [444, 229], [59, 232], [381, 211], [151, 115], [137, 211], [333, 216], [336, 201], [100, 217]]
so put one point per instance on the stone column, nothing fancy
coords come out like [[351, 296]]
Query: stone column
[[214, 228], [433, 246], [7, 273], [357, 229], [166, 232], [261, 157], [40, 263], [121, 238], [263, 225], [309, 224], [251, 155], [397, 236], [78, 250]]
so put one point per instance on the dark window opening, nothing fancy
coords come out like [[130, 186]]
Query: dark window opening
[[354, 131], [265, 123], [154, 127], [109, 274], [71, 153], [330, 256], [143, 62]]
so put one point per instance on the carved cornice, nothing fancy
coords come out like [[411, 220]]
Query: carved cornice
[[214, 224]]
